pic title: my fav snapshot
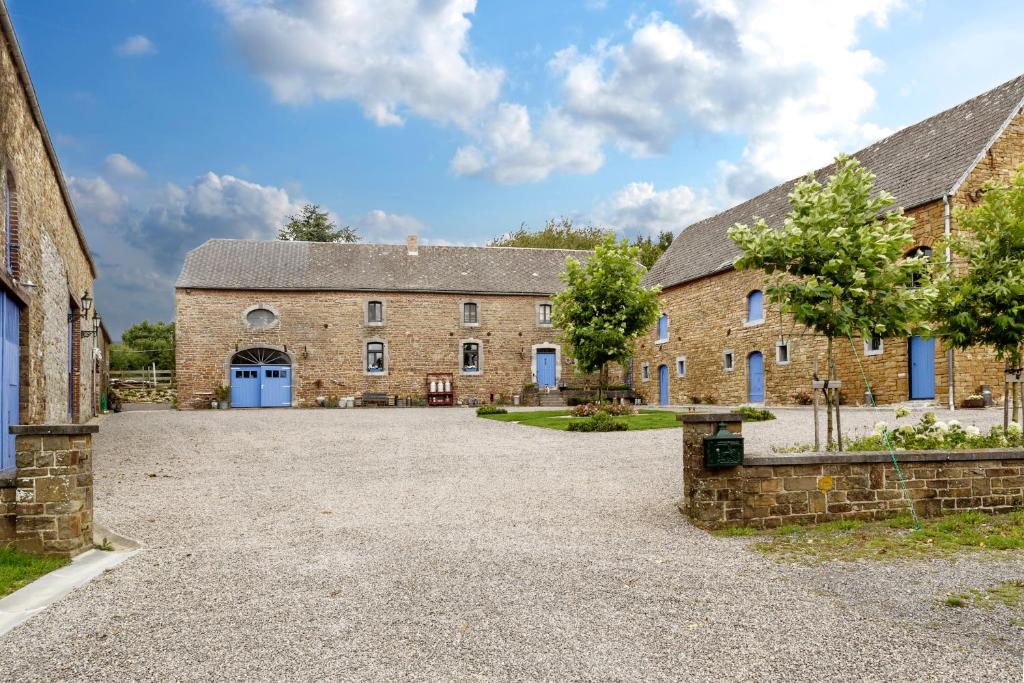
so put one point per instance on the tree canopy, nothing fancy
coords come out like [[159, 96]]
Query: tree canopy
[[314, 225], [982, 301], [143, 344], [564, 234], [604, 306]]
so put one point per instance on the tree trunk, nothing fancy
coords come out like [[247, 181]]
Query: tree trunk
[[829, 371]]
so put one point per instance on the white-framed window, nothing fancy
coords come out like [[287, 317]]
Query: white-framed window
[[544, 315], [681, 366], [376, 357], [645, 372], [782, 351], [471, 356], [728, 360], [470, 313], [374, 312], [755, 308], [874, 346], [662, 328]]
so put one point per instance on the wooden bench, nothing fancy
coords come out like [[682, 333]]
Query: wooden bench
[[375, 399]]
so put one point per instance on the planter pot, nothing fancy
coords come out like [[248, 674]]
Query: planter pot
[[213, 404], [223, 405], [973, 403]]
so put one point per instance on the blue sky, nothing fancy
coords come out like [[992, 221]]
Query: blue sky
[[177, 121]]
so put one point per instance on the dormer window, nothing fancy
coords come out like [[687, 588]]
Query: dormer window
[[755, 307]]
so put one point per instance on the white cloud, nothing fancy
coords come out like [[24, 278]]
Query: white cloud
[[388, 55], [639, 206], [384, 227], [135, 46], [119, 165], [96, 199], [787, 74]]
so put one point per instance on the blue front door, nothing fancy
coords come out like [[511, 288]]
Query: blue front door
[[922, 368], [546, 375], [663, 385], [276, 391], [755, 377], [10, 317]]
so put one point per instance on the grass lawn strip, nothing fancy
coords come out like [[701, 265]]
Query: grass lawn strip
[[852, 540], [560, 419], [20, 569]]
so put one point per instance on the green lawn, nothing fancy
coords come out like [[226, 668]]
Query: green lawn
[[556, 419], [19, 569]]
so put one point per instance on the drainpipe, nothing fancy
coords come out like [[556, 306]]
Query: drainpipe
[[947, 230]]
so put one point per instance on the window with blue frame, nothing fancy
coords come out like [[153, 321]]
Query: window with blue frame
[[755, 307], [663, 327]]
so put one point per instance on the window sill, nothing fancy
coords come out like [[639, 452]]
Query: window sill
[[873, 353], [375, 373], [471, 324], [782, 362], [728, 369], [471, 373], [545, 325], [369, 324], [754, 323], [659, 342]]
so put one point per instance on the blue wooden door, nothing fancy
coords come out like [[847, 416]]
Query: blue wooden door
[[546, 375], [276, 390], [755, 377], [922, 368], [663, 385], [245, 386], [10, 317]]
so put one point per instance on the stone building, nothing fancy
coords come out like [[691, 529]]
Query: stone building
[[719, 340], [292, 323], [47, 327]]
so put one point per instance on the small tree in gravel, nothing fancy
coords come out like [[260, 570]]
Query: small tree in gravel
[[983, 302], [604, 307], [838, 263]]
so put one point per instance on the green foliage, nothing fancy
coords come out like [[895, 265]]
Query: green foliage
[[18, 569], [561, 419], [984, 303], [222, 393], [143, 344], [591, 409], [837, 265], [604, 306], [652, 249], [932, 434], [564, 234], [314, 225], [599, 422], [490, 410], [752, 414]]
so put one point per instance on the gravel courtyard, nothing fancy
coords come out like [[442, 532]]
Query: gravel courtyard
[[425, 544]]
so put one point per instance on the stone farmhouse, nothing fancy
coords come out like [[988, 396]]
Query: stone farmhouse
[[718, 339], [293, 323], [48, 329]]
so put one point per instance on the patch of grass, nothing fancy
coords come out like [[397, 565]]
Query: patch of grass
[[733, 531], [20, 569], [560, 419], [106, 546], [852, 540], [490, 410], [1008, 594], [957, 600]]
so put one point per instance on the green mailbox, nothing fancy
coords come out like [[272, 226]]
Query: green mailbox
[[723, 449]]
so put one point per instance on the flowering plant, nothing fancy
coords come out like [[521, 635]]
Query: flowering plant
[[933, 434]]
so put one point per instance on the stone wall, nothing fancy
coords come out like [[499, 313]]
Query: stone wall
[[53, 491], [325, 335], [769, 491]]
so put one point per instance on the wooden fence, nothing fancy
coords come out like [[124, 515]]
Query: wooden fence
[[151, 377]]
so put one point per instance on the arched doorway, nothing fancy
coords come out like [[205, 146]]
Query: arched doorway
[[663, 385], [261, 378], [755, 377]]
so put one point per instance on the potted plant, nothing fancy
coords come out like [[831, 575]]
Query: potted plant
[[974, 401], [223, 396]]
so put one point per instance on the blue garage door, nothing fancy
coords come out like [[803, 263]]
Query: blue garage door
[[261, 378], [755, 377], [10, 317], [546, 375], [922, 368]]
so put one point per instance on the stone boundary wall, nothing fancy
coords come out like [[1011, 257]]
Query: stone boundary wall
[[47, 507], [772, 490]]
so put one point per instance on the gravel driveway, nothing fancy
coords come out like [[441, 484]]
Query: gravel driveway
[[428, 544]]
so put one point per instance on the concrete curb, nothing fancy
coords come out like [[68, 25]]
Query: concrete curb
[[25, 603]]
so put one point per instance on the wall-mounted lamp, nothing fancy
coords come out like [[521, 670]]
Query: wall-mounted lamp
[[305, 352], [28, 286], [96, 320], [86, 303]]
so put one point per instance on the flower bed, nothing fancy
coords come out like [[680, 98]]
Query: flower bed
[[932, 434]]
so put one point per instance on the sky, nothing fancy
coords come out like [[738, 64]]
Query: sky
[[177, 121]]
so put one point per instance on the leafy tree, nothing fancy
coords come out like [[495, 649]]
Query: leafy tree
[[605, 306], [983, 303], [838, 263], [143, 344], [314, 225], [557, 234], [652, 249]]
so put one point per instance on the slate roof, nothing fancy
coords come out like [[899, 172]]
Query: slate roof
[[917, 165], [279, 265]]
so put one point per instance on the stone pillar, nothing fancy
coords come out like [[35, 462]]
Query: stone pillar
[[706, 493], [54, 488]]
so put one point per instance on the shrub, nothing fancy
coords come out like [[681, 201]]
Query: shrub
[[931, 434], [573, 401], [802, 398], [600, 422], [490, 410], [752, 414], [695, 400], [591, 409]]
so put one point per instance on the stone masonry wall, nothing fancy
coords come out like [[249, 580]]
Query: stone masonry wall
[[325, 335], [769, 491], [54, 489]]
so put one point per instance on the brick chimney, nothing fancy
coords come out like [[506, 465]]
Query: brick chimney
[[410, 245]]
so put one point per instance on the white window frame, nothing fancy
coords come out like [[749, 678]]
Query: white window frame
[[551, 310], [462, 313], [383, 312], [479, 357], [778, 352], [730, 366], [645, 372], [868, 351], [681, 359], [273, 325]]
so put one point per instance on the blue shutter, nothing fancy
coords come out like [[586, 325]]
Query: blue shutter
[[663, 326], [755, 306]]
